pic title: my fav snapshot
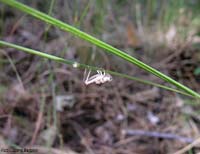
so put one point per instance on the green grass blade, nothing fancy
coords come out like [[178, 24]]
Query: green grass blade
[[97, 42], [79, 65]]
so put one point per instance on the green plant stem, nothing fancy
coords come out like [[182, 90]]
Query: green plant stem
[[79, 65], [14, 68], [97, 42]]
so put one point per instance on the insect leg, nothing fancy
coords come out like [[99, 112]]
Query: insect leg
[[99, 72], [87, 76], [93, 79]]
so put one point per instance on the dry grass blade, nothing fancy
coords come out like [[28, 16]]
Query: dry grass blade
[[190, 146]]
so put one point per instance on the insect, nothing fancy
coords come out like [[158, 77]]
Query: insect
[[100, 77]]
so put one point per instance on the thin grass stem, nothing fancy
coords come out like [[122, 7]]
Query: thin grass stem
[[79, 65]]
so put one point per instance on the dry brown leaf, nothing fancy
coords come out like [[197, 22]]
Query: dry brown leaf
[[132, 37]]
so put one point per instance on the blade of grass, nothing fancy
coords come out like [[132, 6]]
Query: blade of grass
[[76, 65], [14, 68], [52, 75], [97, 42]]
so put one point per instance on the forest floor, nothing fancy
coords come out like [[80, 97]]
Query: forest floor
[[47, 106]]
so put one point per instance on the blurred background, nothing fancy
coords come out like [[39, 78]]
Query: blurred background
[[46, 105]]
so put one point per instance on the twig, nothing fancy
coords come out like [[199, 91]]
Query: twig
[[50, 150], [39, 120], [157, 135], [79, 131], [188, 147], [37, 127]]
